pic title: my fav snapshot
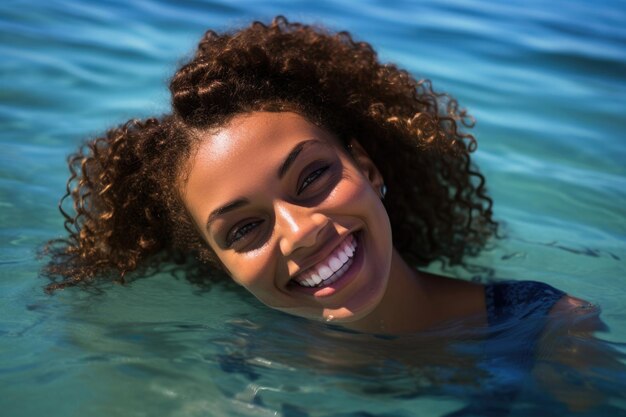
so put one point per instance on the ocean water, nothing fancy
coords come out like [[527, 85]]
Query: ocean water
[[546, 82]]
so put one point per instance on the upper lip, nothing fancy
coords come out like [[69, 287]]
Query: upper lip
[[320, 254]]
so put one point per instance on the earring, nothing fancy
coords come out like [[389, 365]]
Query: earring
[[383, 191]]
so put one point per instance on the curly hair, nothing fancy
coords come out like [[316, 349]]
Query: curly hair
[[126, 205]]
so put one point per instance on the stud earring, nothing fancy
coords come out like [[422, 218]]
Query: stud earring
[[383, 191]]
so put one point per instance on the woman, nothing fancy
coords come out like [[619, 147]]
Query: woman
[[313, 175]]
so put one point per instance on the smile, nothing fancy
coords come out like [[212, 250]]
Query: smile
[[332, 268]]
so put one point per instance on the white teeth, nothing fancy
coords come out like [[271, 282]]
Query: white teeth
[[338, 274], [342, 269], [332, 269], [335, 264], [325, 272]]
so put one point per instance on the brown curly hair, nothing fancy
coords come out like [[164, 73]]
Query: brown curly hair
[[127, 209]]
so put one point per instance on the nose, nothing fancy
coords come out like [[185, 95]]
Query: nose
[[298, 227]]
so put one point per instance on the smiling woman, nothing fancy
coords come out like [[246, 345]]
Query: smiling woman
[[274, 166], [297, 226]]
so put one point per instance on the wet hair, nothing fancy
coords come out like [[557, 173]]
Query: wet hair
[[127, 210]]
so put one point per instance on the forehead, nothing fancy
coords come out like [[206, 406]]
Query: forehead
[[244, 155], [252, 135]]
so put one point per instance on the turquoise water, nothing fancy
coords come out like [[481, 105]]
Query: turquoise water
[[546, 82]]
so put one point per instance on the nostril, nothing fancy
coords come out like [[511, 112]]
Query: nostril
[[299, 227]]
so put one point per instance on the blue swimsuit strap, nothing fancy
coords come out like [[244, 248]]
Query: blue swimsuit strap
[[509, 300]]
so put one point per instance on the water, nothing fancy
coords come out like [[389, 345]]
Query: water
[[546, 83]]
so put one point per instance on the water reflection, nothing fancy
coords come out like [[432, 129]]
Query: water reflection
[[486, 372]]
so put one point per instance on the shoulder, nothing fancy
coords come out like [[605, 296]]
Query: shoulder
[[569, 304], [508, 300], [576, 314], [522, 291]]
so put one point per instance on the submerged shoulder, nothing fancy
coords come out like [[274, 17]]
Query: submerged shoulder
[[569, 304], [576, 315], [507, 300], [522, 292], [513, 292], [522, 299]]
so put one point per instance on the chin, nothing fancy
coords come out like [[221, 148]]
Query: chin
[[350, 315]]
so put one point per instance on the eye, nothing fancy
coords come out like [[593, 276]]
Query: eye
[[240, 232], [312, 177]]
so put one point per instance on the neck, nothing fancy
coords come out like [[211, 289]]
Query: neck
[[405, 306]]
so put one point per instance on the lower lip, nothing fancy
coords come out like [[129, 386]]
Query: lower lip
[[347, 277]]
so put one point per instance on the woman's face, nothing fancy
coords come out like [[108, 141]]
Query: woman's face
[[291, 215]]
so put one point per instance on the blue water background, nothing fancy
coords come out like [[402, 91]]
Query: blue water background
[[545, 80]]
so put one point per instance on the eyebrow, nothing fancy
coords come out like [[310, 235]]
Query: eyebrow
[[284, 167], [225, 209], [293, 155]]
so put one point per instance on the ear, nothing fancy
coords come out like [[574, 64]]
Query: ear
[[366, 165]]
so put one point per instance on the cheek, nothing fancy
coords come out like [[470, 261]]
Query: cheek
[[356, 193], [250, 270], [355, 196]]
